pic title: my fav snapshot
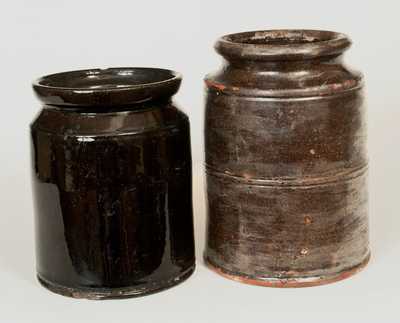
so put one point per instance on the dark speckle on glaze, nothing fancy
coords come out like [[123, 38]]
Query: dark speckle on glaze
[[112, 183], [286, 161]]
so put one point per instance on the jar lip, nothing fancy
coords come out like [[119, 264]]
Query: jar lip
[[109, 86], [282, 44]]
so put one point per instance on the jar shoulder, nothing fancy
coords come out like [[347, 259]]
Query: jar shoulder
[[285, 79], [78, 123]]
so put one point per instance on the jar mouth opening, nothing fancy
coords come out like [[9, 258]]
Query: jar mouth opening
[[110, 86], [282, 44]]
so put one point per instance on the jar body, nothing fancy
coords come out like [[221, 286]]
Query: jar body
[[286, 172], [112, 194]]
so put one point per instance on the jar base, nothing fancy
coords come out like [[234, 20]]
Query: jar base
[[115, 293], [288, 282]]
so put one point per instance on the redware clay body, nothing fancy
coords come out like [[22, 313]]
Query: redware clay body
[[112, 183], [286, 160]]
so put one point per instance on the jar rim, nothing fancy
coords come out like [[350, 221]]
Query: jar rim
[[109, 86], [282, 44]]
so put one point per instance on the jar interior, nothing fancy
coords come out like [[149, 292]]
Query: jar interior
[[277, 37]]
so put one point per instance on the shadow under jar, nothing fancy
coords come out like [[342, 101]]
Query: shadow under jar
[[286, 164], [112, 183]]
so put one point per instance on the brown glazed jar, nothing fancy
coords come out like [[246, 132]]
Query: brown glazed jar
[[112, 183], [286, 160]]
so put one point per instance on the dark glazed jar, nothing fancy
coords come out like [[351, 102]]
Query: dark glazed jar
[[112, 183], [286, 160]]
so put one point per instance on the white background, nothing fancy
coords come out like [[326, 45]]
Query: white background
[[40, 37]]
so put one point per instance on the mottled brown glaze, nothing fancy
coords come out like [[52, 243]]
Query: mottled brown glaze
[[286, 160], [112, 183]]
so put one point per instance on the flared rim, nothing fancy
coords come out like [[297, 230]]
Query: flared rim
[[282, 44], [110, 86]]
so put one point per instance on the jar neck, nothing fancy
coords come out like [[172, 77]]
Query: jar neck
[[85, 109], [281, 65]]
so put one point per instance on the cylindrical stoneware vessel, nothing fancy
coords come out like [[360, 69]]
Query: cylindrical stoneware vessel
[[286, 160], [112, 183]]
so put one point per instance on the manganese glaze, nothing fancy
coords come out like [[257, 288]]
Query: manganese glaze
[[286, 161], [112, 183]]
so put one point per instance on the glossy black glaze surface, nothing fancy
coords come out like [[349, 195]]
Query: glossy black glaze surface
[[112, 186]]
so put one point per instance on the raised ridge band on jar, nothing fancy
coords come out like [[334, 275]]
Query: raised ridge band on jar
[[112, 183], [286, 161]]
